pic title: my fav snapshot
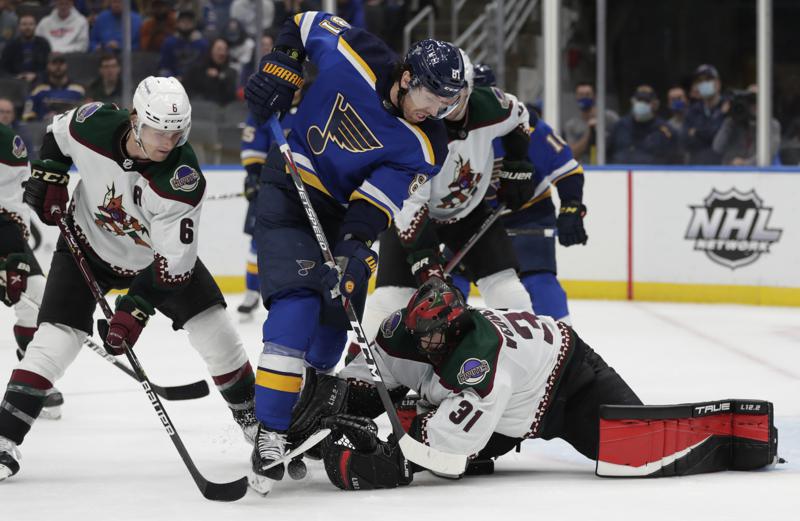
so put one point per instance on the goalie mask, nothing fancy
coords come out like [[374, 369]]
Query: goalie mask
[[437, 317], [162, 105]]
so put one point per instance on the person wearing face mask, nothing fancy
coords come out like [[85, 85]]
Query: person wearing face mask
[[678, 105], [642, 137], [704, 118], [736, 139], [580, 130], [183, 49]]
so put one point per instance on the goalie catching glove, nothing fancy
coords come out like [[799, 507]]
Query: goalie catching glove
[[355, 459]]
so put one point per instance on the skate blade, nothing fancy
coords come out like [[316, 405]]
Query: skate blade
[[51, 413], [261, 485]]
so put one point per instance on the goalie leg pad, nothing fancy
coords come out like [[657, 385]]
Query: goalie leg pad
[[676, 440]]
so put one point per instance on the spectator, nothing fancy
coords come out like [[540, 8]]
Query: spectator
[[735, 141], [352, 11], [7, 112], [216, 14], [107, 87], [8, 22], [240, 45], [55, 94], [25, 56], [106, 33], [642, 137], [184, 48], [580, 130], [65, 28], [267, 43], [678, 104], [157, 27], [705, 117], [213, 79], [245, 12]]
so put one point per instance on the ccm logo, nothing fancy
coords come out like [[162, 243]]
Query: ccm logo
[[708, 409]]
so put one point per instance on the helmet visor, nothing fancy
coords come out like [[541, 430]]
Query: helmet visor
[[435, 106]]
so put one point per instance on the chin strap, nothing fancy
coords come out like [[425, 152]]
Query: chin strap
[[138, 140]]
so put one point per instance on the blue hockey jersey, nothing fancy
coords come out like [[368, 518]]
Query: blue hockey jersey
[[553, 163], [348, 142], [257, 140]]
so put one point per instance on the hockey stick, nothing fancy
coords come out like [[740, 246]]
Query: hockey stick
[[423, 455], [178, 392], [214, 491], [475, 238], [532, 232], [221, 197]]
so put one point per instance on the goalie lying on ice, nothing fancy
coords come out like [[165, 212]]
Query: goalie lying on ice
[[493, 378]]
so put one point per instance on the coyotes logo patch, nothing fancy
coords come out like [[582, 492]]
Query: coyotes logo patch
[[463, 186], [113, 218]]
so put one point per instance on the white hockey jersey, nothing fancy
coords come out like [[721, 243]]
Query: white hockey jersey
[[467, 171], [131, 214], [501, 377], [14, 170]]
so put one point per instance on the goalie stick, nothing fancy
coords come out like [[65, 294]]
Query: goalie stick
[[413, 450], [190, 391], [214, 491]]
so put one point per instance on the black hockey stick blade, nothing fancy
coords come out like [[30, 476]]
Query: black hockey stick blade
[[190, 391], [232, 491], [176, 393]]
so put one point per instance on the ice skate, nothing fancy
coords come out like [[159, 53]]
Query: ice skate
[[248, 305], [270, 446], [52, 405], [9, 458]]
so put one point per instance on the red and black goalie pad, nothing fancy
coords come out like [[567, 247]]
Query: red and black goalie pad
[[356, 459], [677, 440]]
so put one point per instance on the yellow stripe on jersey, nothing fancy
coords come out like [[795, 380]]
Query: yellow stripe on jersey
[[359, 62], [311, 179], [358, 195], [279, 382], [252, 161], [252, 267], [535, 200], [425, 143]]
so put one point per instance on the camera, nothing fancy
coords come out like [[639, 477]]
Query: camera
[[742, 102]]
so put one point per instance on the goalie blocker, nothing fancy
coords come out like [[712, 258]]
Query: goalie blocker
[[677, 440]]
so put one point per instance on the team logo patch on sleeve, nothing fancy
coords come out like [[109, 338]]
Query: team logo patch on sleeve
[[390, 323], [86, 111], [18, 147], [473, 371], [185, 179]]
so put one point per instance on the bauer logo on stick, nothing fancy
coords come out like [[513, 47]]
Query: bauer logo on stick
[[732, 228]]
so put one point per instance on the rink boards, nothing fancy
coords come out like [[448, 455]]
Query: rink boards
[[708, 235]]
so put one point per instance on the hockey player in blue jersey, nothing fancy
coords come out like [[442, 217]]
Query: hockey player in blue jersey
[[255, 145], [364, 138], [534, 227]]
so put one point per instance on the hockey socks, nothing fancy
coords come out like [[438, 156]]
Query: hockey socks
[[676, 440], [23, 335], [22, 403], [278, 381]]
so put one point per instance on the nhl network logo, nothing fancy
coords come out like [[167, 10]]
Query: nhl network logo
[[732, 228]]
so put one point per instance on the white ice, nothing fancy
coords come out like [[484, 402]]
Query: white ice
[[109, 458]]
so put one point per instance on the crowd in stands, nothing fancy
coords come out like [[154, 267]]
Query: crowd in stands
[[707, 126], [61, 53]]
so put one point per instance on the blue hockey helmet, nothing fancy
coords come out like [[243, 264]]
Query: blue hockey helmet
[[437, 66], [484, 75]]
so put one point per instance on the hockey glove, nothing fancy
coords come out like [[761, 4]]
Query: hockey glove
[[130, 317], [271, 89], [426, 264], [355, 263], [355, 459], [516, 184], [14, 271], [252, 182], [46, 189], [570, 224]]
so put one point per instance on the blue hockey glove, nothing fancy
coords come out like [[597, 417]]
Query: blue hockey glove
[[271, 89], [570, 224], [355, 263]]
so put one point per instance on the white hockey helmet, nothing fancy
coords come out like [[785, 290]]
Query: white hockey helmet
[[469, 71], [162, 104]]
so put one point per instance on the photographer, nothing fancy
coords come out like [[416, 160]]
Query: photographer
[[736, 139]]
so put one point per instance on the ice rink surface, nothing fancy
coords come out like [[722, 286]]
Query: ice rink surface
[[109, 458]]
